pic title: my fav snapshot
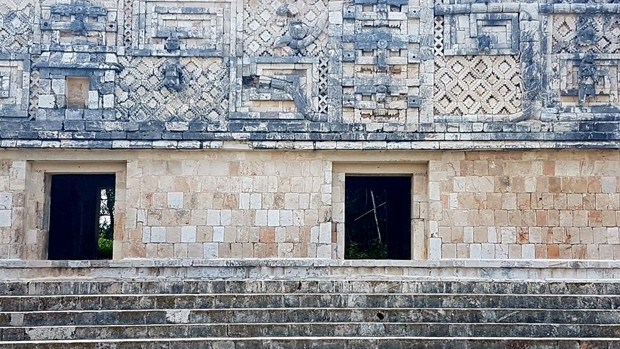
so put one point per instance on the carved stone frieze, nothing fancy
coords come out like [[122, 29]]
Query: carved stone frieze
[[14, 85], [381, 62], [182, 28], [151, 88], [278, 28], [469, 85], [585, 33], [79, 26], [17, 21]]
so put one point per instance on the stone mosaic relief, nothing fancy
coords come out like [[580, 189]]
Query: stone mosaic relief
[[283, 28], [584, 63], [79, 25], [381, 62], [17, 32], [358, 64], [152, 88], [469, 85], [478, 68]]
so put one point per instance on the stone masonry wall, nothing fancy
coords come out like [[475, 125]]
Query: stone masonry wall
[[264, 205], [546, 204], [239, 203]]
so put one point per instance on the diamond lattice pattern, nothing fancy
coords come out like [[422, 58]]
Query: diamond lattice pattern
[[466, 85]]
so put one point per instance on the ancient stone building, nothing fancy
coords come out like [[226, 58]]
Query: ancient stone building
[[238, 128]]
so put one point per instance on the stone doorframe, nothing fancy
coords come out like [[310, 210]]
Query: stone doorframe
[[38, 189], [419, 200]]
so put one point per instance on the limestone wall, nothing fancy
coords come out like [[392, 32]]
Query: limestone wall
[[238, 203]]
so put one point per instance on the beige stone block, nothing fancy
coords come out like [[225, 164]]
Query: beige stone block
[[535, 235], [509, 201], [542, 184], [501, 251], [173, 235], [165, 250], [180, 250], [553, 218], [592, 251], [599, 234], [151, 251], [566, 218], [558, 235], [589, 201], [595, 218], [514, 218], [448, 250], [559, 201], [508, 235], [501, 217], [236, 250], [224, 250], [175, 217], [523, 201], [541, 251], [609, 218], [515, 251], [487, 217], [574, 201]]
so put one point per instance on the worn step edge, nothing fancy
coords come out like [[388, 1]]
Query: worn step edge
[[315, 338]]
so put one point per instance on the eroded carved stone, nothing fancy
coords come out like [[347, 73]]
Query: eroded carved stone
[[173, 78], [141, 96], [469, 85]]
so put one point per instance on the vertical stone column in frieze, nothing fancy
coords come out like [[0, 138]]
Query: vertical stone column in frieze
[[19, 37], [487, 60], [382, 51], [583, 60], [283, 72]]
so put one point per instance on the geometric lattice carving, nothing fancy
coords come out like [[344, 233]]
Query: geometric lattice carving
[[182, 28], [585, 33], [16, 27], [467, 85], [438, 36], [127, 22], [141, 94], [266, 22], [323, 85]]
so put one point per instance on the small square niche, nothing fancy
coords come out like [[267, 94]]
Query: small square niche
[[77, 92]]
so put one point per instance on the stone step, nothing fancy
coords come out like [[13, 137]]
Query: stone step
[[76, 287], [320, 300], [323, 343], [316, 329], [285, 315]]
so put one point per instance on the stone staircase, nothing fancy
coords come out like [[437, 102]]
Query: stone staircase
[[325, 312]]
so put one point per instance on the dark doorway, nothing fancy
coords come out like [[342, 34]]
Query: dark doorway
[[75, 211], [377, 217]]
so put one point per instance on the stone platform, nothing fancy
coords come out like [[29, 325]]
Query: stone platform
[[179, 269], [309, 304]]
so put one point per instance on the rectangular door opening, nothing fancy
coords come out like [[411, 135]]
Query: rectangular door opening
[[81, 216], [378, 217]]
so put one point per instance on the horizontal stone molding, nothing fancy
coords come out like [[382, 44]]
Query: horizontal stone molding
[[601, 271]]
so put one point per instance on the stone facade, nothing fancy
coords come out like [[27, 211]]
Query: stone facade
[[231, 124]]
